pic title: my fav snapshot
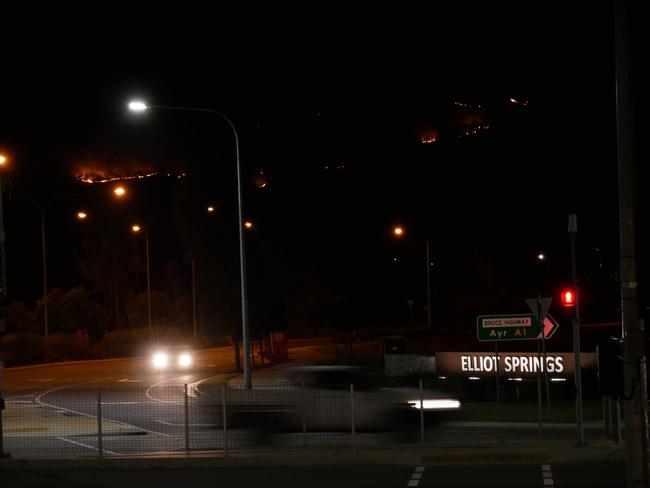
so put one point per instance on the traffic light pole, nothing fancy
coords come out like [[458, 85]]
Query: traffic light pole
[[573, 228]]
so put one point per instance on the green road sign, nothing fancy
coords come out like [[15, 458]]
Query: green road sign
[[518, 327], [507, 327]]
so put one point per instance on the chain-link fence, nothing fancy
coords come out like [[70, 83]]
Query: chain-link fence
[[180, 418]]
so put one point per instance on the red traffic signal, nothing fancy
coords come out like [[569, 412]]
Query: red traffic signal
[[568, 298]]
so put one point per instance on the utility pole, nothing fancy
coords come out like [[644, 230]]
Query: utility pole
[[634, 369]]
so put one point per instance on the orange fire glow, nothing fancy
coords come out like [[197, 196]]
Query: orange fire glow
[[94, 174]]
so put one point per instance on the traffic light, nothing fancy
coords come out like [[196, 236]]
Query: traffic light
[[568, 298]]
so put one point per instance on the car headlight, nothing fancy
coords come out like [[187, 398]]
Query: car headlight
[[436, 404], [160, 360], [184, 360]]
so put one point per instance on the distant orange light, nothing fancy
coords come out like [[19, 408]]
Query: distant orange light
[[82, 215], [119, 191], [398, 231], [248, 224], [3, 160], [210, 208], [136, 228]]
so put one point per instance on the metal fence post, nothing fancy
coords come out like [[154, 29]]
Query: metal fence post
[[619, 437], [100, 446], [610, 416], [304, 415], [225, 421], [352, 421], [421, 412], [187, 417], [2, 407], [605, 417]]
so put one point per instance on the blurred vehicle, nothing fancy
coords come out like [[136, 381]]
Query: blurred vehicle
[[319, 399], [168, 358]]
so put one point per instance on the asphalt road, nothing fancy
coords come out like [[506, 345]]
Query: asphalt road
[[422, 476], [53, 411]]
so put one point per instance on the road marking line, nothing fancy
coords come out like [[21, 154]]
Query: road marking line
[[155, 385], [171, 424], [120, 403], [416, 476], [38, 400], [88, 446], [547, 475]]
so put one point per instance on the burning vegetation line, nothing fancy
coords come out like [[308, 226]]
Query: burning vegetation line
[[92, 178]]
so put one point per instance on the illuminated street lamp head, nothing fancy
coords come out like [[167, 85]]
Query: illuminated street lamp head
[[81, 215], [119, 191], [138, 106], [210, 208], [4, 160], [248, 225], [398, 231], [136, 228], [541, 256]]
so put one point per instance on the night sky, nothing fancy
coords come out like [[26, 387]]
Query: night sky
[[332, 104]]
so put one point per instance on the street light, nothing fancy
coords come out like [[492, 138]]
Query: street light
[[398, 231], [42, 208], [4, 161], [135, 228], [140, 106]]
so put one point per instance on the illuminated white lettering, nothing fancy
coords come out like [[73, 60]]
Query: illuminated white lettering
[[559, 367]]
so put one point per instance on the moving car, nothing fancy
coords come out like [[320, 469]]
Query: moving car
[[172, 358], [319, 399]]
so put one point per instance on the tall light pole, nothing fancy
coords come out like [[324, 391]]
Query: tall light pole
[[139, 106], [4, 160], [398, 231], [635, 395], [136, 229]]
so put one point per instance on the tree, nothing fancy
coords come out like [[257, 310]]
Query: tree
[[54, 299], [161, 309], [79, 311], [20, 318]]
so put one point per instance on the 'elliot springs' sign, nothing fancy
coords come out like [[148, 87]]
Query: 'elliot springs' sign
[[510, 363]]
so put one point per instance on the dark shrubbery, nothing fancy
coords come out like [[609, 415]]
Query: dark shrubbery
[[22, 348]]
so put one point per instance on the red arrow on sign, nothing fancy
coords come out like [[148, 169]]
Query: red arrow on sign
[[550, 326]]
